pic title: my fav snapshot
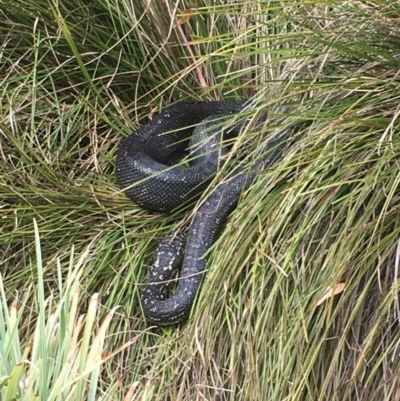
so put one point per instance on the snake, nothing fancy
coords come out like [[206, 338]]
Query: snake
[[146, 173]]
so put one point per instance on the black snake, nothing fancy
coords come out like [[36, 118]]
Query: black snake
[[143, 171]]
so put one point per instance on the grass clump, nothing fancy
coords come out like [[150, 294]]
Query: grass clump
[[301, 298], [50, 350]]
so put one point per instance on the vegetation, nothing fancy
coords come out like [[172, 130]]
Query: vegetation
[[301, 298]]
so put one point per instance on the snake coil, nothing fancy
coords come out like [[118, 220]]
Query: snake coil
[[144, 173]]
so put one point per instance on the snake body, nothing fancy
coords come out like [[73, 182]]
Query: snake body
[[143, 158], [143, 172]]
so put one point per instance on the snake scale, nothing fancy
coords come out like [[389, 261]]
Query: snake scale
[[143, 171]]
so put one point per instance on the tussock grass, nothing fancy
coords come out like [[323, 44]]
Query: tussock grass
[[76, 77]]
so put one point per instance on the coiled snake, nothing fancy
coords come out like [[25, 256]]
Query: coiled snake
[[143, 171]]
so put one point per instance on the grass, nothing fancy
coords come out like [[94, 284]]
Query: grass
[[77, 77]]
